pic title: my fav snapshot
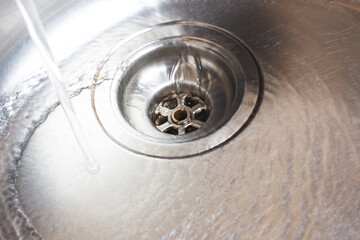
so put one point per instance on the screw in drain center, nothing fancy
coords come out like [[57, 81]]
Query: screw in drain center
[[179, 114]]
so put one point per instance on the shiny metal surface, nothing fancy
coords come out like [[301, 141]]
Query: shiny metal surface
[[182, 57], [292, 173]]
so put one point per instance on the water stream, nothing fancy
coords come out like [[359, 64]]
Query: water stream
[[37, 33], [187, 68]]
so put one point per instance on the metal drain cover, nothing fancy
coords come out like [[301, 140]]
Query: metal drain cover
[[180, 114], [176, 89]]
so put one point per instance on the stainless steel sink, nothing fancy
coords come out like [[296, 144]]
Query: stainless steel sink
[[210, 120]]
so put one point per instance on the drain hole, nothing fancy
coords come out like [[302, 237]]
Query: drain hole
[[190, 101], [170, 103], [202, 116], [171, 130], [190, 129], [159, 120], [179, 114]]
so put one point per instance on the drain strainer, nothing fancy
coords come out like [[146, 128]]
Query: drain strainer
[[180, 114], [176, 89]]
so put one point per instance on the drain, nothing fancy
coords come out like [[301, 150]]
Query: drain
[[176, 89], [180, 114]]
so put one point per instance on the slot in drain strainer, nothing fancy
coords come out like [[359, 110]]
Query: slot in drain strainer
[[178, 63]]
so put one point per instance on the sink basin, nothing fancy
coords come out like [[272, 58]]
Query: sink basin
[[274, 153]]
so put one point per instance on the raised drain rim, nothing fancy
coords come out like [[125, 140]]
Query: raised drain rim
[[132, 140]]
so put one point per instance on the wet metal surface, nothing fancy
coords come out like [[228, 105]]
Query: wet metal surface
[[292, 173]]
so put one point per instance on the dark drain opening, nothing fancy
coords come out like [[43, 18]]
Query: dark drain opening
[[179, 114], [170, 103], [190, 102], [202, 115]]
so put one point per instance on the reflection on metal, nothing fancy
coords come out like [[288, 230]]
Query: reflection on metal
[[182, 57], [289, 171]]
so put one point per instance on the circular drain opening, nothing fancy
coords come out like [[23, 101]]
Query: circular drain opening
[[180, 114], [176, 89]]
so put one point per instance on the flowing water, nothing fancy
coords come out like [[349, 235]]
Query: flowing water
[[37, 33], [26, 110], [188, 67]]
